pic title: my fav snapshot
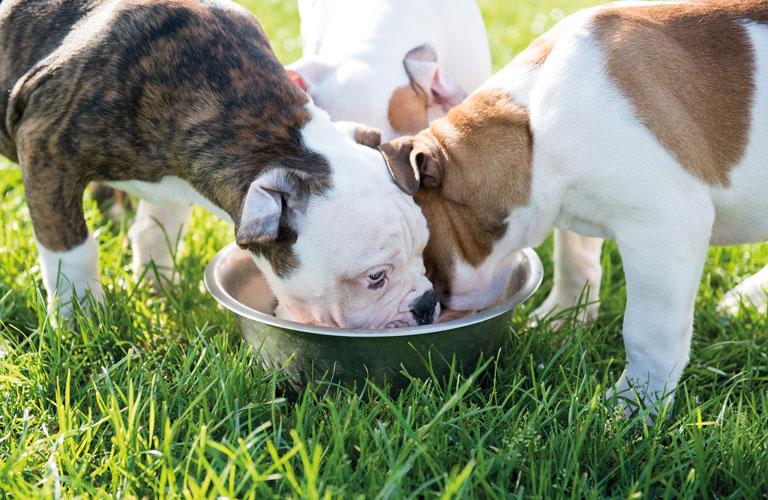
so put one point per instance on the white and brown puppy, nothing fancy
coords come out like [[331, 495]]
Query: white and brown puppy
[[391, 64], [183, 101], [641, 122]]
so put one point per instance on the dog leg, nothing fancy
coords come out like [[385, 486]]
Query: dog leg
[[71, 271], [577, 263], [154, 236], [752, 290], [69, 254], [663, 268]]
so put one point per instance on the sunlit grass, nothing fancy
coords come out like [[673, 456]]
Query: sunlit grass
[[157, 396]]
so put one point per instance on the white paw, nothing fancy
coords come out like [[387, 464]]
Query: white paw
[[64, 301], [632, 399], [751, 292], [69, 274]]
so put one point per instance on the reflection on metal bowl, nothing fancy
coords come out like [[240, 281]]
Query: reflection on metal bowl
[[309, 354]]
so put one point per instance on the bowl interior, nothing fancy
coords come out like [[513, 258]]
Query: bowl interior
[[234, 280]]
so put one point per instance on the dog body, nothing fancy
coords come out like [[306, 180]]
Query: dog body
[[391, 64], [183, 102], [645, 123]]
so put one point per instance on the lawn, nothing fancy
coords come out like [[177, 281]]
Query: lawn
[[147, 402]]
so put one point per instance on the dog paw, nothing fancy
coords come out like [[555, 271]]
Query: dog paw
[[62, 307], [638, 401]]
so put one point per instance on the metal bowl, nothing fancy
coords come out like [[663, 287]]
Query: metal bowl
[[309, 355]]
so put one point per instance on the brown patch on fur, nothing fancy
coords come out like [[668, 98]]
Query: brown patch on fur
[[97, 90], [367, 136], [688, 71], [407, 111], [480, 158]]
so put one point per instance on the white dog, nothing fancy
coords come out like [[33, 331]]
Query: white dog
[[391, 64], [645, 123]]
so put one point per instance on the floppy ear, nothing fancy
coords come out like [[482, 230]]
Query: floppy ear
[[412, 164], [428, 167], [428, 78], [307, 72], [271, 198], [397, 155]]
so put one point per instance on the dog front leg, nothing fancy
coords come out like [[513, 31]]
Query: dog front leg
[[663, 267], [155, 235], [577, 264], [69, 254]]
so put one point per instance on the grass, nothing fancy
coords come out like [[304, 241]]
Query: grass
[[144, 402]]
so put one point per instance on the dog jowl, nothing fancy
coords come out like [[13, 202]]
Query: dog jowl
[[182, 102]]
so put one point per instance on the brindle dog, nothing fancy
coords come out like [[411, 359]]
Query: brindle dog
[[178, 93]]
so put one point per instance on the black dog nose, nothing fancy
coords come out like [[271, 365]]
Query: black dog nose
[[423, 308]]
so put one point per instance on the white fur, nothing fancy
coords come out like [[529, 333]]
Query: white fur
[[577, 275], [752, 291], [169, 191], [76, 269], [598, 171], [154, 236], [161, 220], [353, 51], [364, 223]]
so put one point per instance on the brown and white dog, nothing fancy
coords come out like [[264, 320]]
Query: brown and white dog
[[183, 101], [641, 122]]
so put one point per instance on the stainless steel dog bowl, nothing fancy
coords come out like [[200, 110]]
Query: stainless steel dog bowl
[[308, 355]]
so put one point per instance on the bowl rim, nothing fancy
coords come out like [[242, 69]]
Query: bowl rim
[[225, 299]]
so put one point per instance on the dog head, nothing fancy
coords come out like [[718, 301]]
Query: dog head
[[344, 250], [471, 174], [398, 100]]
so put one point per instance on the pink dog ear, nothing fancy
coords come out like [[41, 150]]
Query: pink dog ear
[[427, 76], [297, 79]]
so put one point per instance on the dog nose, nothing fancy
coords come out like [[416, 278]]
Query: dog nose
[[423, 308]]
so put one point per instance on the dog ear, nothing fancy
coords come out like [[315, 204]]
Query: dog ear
[[428, 165], [428, 78], [272, 200], [412, 164], [308, 72], [397, 155]]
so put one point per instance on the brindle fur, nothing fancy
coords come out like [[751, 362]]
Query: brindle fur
[[142, 89]]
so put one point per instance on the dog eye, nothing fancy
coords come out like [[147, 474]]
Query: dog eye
[[377, 279]]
